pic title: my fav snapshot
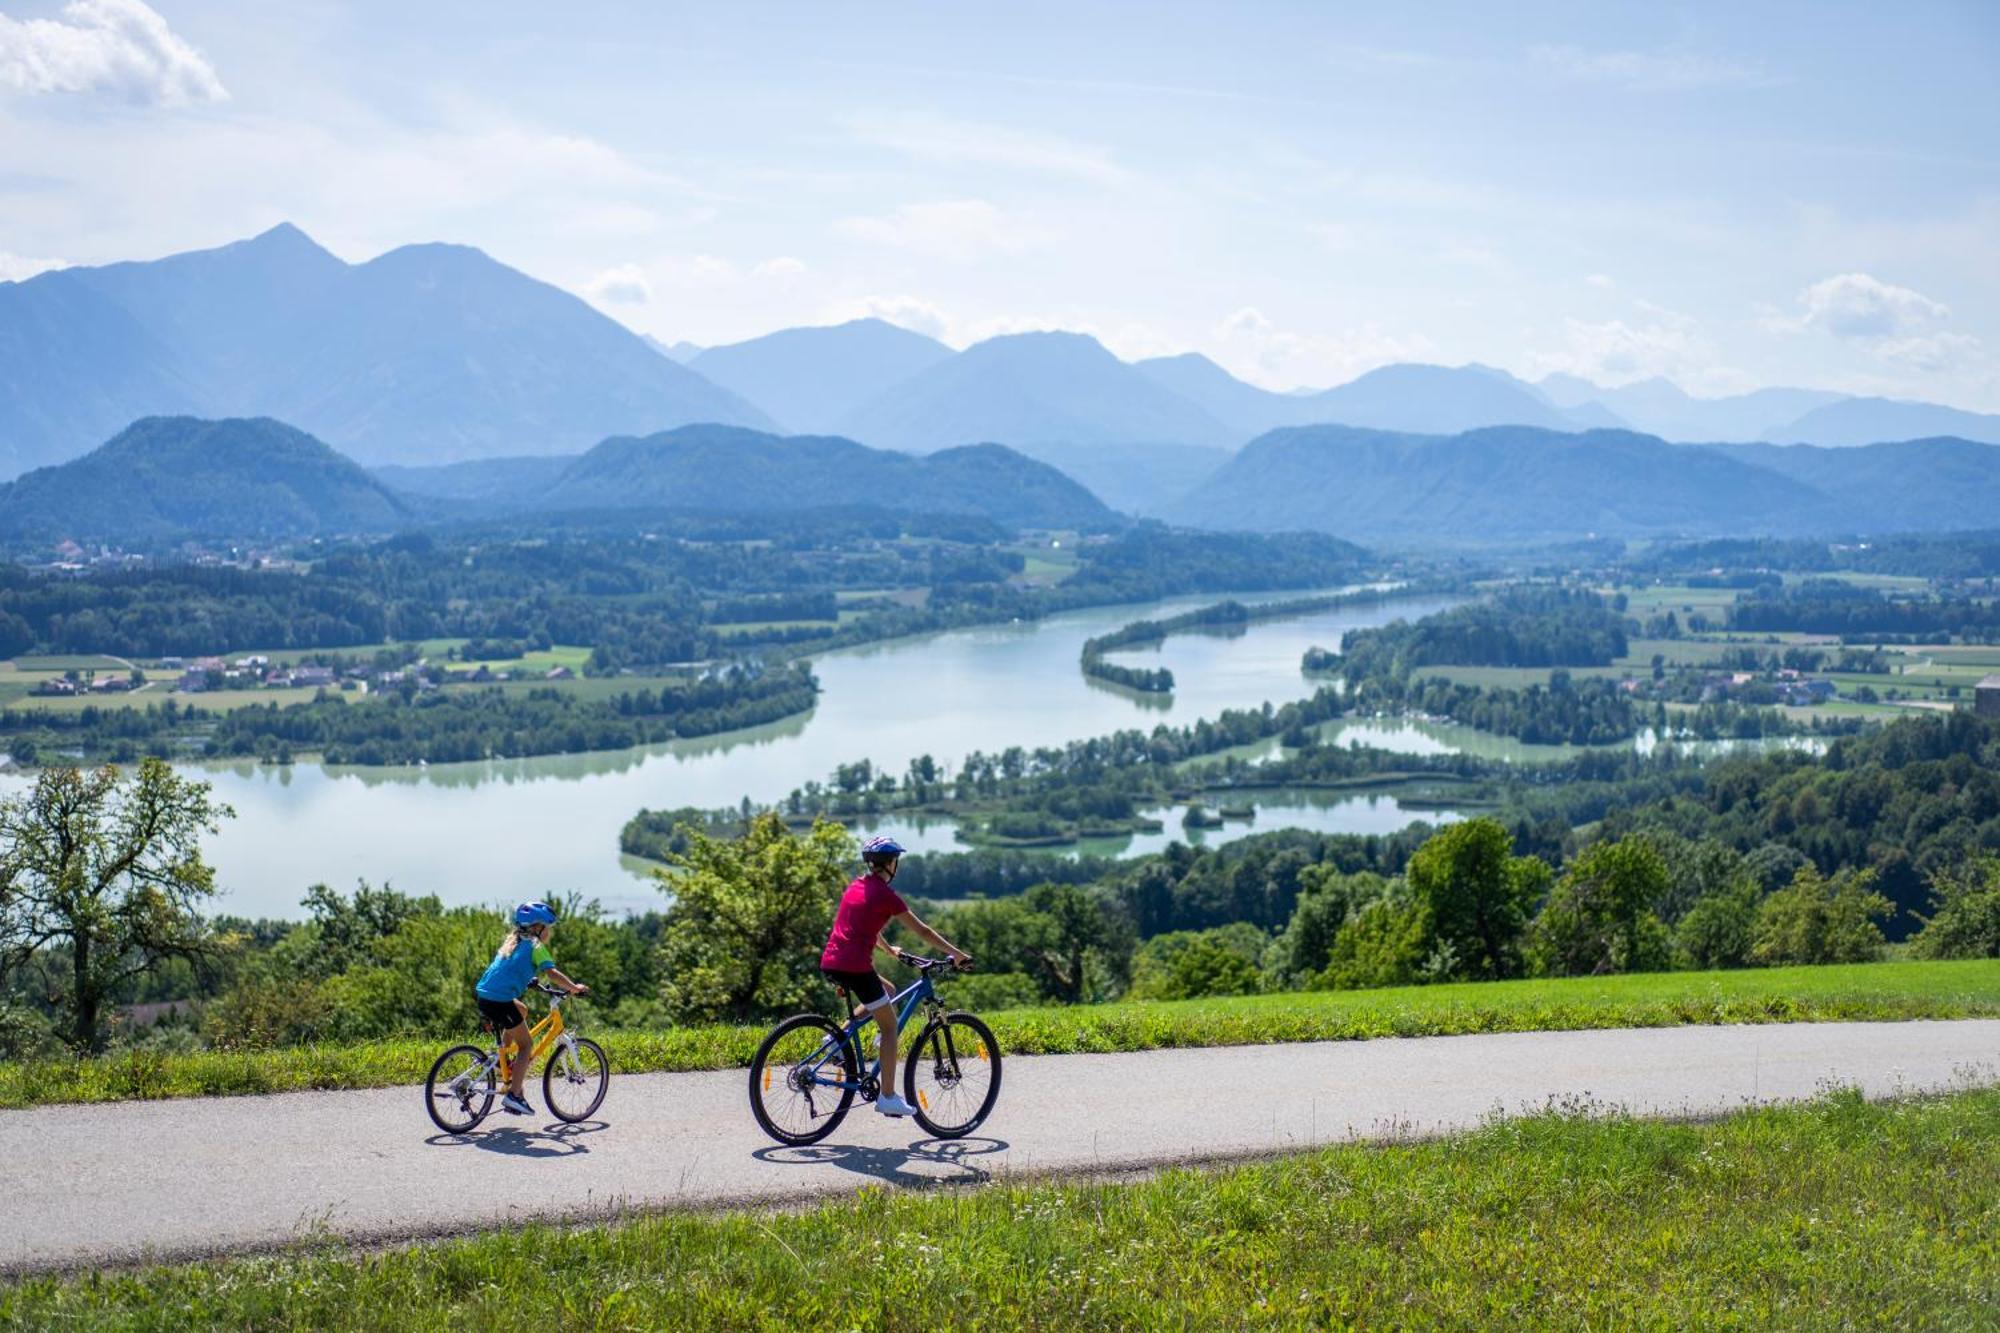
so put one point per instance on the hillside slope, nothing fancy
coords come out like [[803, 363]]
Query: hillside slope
[[721, 469], [165, 478]]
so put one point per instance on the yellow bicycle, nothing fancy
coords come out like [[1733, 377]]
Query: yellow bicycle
[[463, 1083]]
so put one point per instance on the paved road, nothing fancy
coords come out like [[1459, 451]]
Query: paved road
[[89, 1184]]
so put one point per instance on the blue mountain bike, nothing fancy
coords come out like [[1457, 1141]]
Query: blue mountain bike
[[808, 1071]]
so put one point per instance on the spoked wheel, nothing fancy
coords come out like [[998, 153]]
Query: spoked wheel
[[952, 1075], [790, 1102], [459, 1091], [575, 1080]]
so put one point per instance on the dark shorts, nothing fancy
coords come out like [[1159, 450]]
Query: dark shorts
[[864, 987], [502, 1014]]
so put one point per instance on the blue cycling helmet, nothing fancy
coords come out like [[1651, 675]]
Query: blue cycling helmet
[[879, 849], [534, 914]]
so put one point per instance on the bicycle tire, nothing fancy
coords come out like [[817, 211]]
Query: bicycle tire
[[587, 1052], [943, 1075], [475, 1103], [772, 1073]]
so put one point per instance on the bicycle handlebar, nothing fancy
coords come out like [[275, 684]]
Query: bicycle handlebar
[[923, 964]]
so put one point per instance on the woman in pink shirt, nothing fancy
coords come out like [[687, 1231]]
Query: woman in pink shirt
[[849, 958]]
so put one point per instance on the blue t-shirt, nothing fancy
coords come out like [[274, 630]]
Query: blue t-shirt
[[508, 975]]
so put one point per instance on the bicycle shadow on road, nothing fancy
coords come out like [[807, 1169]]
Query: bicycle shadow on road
[[516, 1141], [925, 1164]]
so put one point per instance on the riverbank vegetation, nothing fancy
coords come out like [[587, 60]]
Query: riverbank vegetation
[[1836, 1213], [685, 608]]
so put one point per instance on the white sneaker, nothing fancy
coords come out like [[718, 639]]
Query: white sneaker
[[890, 1104]]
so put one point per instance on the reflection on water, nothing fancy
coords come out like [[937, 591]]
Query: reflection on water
[[1277, 808], [504, 830]]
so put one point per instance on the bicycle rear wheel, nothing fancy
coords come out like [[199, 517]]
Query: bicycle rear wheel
[[459, 1091], [574, 1081], [790, 1102], [952, 1075]]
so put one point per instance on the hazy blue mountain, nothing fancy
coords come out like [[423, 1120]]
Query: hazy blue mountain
[[724, 469], [1029, 389], [429, 353], [165, 478], [1910, 486], [1433, 400], [1491, 485], [1133, 478], [507, 482], [809, 379], [1874, 420], [1243, 407], [1660, 407]]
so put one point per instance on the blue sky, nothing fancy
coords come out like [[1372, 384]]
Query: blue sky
[[1731, 195]]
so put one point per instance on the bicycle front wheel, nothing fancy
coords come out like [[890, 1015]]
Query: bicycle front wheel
[[575, 1080], [952, 1075], [789, 1080], [459, 1091]]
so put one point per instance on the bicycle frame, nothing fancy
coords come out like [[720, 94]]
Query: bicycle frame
[[542, 1037], [906, 1001]]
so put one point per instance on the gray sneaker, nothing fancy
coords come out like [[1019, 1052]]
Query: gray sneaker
[[513, 1105], [890, 1104]]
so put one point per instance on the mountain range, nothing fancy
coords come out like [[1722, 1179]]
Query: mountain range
[[165, 479], [1515, 484], [425, 354]]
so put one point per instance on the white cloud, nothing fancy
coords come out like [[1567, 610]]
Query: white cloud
[[1652, 71], [1601, 281], [116, 46], [780, 266], [1935, 353], [1856, 305], [960, 143], [960, 230], [19, 268], [1618, 351], [623, 285], [1251, 346]]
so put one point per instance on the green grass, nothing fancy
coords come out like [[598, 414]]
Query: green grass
[[1839, 1213], [1853, 992]]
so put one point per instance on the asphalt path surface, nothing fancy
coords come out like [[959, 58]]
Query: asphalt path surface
[[119, 1183]]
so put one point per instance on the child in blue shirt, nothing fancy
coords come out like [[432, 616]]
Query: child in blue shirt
[[523, 956]]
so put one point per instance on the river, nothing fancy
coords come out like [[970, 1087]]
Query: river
[[505, 830]]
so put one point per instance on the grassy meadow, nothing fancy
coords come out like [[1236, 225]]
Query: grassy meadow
[[1849, 992]]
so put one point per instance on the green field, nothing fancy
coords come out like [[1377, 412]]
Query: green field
[[1836, 1214], [1851, 992]]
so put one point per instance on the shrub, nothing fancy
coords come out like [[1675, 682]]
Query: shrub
[[1189, 964], [1382, 945], [1967, 923], [1717, 930], [1819, 920]]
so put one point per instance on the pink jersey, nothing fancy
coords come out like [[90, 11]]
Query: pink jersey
[[866, 907]]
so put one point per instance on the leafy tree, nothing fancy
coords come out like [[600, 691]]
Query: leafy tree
[[1819, 920], [1967, 921], [1188, 964], [1476, 896], [742, 939], [1717, 930], [1599, 916], [108, 871]]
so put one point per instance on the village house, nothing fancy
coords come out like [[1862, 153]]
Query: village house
[[1986, 697]]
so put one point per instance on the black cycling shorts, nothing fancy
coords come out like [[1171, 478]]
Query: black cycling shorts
[[502, 1014], [865, 987]]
